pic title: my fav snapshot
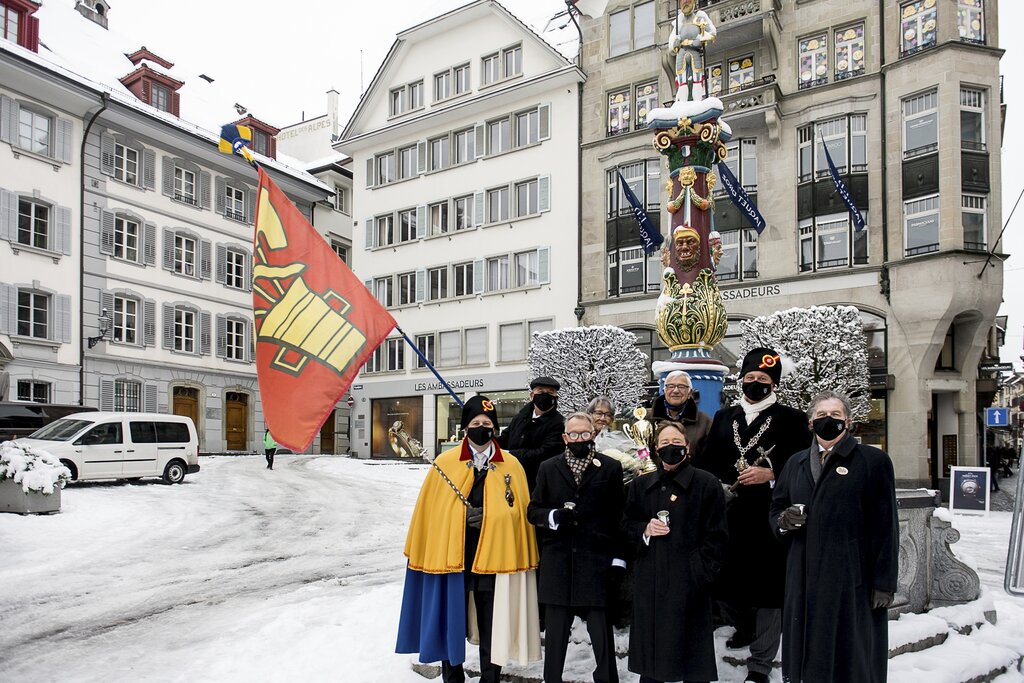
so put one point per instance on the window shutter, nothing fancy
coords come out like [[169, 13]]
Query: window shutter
[[107, 233], [107, 303], [544, 193], [168, 326], [544, 114], [481, 140], [366, 283], [149, 398], [218, 194], [8, 308], [168, 179], [10, 112], [149, 169], [63, 139], [421, 284], [222, 334], [106, 395], [421, 156], [369, 172], [61, 319], [544, 265], [204, 333], [149, 323], [478, 208], [248, 272], [62, 232], [149, 244], [368, 224], [478, 276], [421, 221], [168, 249], [250, 205], [250, 338], [107, 154], [221, 270], [204, 189], [205, 247], [8, 215]]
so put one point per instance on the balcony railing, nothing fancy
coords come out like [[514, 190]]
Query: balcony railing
[[185, 199], [973, 146], [924, 249], [235, 216], [975, 246], [843, 75], [833, 263], [804, 85], [921, 151], [917, 48]]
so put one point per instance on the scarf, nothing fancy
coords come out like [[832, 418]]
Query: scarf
[[752, 410]]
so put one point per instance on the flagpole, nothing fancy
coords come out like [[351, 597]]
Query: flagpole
[[430, 366]]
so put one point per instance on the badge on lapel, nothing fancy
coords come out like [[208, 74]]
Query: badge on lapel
[[597, 463], [842, 470], [673, 498]]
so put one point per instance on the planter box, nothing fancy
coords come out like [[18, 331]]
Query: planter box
[[14, 499]]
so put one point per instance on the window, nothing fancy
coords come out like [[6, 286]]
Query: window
[[385, 168], [970, 18], [741, 72], [126, 319], [528, 128], [451, 348], [184, 330], [461, 79], [825, 242], [406, 289], [260, 142], [643, 178], [127, 397], [340, 249], [184, 255], [476, 346], [442, 86], [742, 161], [234, 339], [33, 314], [159, 97], [234, 203], [463, 212], [920, 124], [535, 326], [31, 390], [9, 23], [972, 119], [499, 136], [407, 225], [33, 224], [813, 61], [463, 276], [921, 225], [415, 95], [438, 153], [849, 51], [631, 29], [511, 346], [407, 162], [497, 273], [383, 289], [527, 268], [340, 198], [385, 228], [465, 146], [527, 198], [846, 138], [512, 61], [646, 99], [126, 239], [973, 213], [234, 269], [439, 218], [497, 204], [437, 283], [739, 255], [918, 26], [618, 112], [34, 131], [426, 344], [396, 100], [491, 69], [715, 79], [184, 185], [408, 97], [126, 164]]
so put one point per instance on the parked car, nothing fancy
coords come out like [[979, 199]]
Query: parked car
[[21, 418], [122, 445]]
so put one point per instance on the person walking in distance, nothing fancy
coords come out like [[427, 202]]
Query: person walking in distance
[[269, 449]]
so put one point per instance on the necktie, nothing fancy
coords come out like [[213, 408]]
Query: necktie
[[824, 455]]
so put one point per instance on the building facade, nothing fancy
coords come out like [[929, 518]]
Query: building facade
[[907, 96], [465, 160]]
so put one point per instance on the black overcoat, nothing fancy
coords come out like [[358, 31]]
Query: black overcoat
[[533, 441], [672, 635], [575, 561], [848, 547], [754, 568]]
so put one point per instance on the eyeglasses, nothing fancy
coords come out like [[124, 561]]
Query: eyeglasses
[[677, 387], [602, 413], [579, 436]]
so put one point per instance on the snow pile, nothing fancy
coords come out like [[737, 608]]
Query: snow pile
[[913, 628], [34, 469]]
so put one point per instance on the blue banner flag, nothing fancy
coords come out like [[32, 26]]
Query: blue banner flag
[[740, 198], [650, 237], [844, 193]]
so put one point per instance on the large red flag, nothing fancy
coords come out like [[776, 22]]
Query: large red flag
[[316, 324]]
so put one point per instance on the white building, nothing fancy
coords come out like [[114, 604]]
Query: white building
[[465, 150]]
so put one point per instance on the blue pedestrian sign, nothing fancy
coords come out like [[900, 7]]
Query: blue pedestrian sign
[[997, 417]]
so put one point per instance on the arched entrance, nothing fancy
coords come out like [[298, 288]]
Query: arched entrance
[[185, 401], [236, 420]]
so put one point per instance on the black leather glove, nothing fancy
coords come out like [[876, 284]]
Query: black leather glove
[[565, 518], [881, 599], [791, 519], [474, 516]]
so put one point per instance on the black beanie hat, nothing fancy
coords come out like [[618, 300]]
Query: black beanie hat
[[764, 360], [479, 405]]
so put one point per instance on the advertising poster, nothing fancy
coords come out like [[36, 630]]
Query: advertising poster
[[969, 490]]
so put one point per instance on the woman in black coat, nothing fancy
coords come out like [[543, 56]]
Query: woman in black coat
[[677, 559]]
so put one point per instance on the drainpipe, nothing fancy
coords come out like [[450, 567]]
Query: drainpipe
[[579, 311], [81, 251], [885, 166]]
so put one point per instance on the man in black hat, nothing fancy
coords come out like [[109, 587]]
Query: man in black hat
[[535, 433], [747, 447]]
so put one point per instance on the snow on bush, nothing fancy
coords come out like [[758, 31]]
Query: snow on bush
[[34, 469]]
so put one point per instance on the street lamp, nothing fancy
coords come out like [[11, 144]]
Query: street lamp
[[103, 322]]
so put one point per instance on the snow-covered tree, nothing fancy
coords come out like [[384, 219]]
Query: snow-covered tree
[[827, 349], [590, 361]]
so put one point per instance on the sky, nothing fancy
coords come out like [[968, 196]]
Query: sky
[[316, 45]]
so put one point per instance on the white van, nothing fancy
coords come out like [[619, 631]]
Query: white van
[[121, 445]]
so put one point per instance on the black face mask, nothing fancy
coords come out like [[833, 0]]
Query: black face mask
[[481, 436], [672, 455], [828, 428], [544, 402], [756, 391], [579, 449]]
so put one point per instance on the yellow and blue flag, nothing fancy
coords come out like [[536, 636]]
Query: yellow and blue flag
[[233, 138]]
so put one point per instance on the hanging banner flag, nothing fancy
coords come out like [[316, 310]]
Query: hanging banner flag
[[650, 237], [740, 197], [844, 193], [316, 324]]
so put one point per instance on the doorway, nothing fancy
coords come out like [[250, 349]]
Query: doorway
[[236, 420], [327, 435], [185, 402]]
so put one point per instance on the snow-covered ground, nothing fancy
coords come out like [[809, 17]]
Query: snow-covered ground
[[245, 574]]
